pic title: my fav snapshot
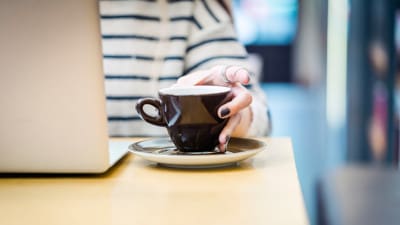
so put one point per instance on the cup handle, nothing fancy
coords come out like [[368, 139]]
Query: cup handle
[[155, 120]]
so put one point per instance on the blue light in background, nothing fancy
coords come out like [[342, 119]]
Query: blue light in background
[[266, 22]]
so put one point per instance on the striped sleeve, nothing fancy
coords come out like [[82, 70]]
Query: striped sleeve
[[126, 61], [215, 42]]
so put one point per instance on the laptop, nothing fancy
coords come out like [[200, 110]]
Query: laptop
[[52, 102]]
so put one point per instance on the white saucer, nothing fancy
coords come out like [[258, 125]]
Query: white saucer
[[164, 152]]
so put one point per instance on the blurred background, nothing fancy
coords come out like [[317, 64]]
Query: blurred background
[[331, 73]]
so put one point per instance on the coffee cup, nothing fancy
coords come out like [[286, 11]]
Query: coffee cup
[[189, 114]]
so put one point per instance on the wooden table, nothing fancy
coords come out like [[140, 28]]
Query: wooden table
[[261, 190]]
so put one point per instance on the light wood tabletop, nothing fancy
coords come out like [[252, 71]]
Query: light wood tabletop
[[263, 190]]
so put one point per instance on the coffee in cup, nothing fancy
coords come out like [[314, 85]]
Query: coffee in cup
[[190, 115]]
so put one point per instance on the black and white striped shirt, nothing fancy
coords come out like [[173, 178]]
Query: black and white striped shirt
[[148, 44]]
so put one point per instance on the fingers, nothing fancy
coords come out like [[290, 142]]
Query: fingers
[[242, 99], [218, 75], [228, 75], [226, 133], [195, 78], [234, 74], [204, 77], [233, 109]]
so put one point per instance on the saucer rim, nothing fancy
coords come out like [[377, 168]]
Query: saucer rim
[[196, 160]]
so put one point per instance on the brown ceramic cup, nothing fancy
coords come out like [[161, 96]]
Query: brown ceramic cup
[[190, 115]]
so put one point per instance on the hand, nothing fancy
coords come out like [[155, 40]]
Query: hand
[[238, 109]]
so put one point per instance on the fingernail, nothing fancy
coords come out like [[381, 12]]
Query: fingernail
[[227, 138], [225, 112]]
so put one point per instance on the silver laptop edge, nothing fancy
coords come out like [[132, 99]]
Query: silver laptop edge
[[53, 114]]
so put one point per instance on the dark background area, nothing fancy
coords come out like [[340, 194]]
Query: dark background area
[[276, 59]]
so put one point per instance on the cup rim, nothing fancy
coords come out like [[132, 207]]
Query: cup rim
[[206, 88]]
